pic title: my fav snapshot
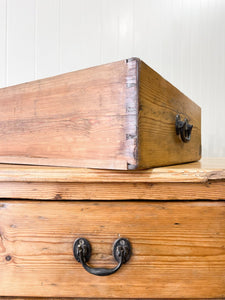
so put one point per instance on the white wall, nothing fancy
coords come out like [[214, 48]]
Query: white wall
[[183, 40]]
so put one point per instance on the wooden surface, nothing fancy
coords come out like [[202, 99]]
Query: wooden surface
[[178, 249], [112, 191], [115, 116], [200, 180], [199, 172], [159, 103], [85, 118], [72, 298]]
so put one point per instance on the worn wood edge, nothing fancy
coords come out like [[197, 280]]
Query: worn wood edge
[[72, 298], [64, 73], [167, 82], [118, 164], [203, 171], [112, 191], [132, 103]]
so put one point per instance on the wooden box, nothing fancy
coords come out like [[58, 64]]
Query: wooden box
[[178, 247], [121, 115]]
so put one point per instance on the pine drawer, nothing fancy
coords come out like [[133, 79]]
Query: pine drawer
[[178, 247], [121, 115]]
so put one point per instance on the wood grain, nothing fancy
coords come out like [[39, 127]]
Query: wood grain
[[72, 298], [198, 172], [76, 119], [178, 249], [214, 190], [194, 181], [115, 116], [159, 103]]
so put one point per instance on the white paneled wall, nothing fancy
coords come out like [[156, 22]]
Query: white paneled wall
[[47, 38], [183, 40]]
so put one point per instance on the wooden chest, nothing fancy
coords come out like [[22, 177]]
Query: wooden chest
[[177, 247], [121, 115]]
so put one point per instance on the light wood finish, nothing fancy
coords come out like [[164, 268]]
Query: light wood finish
[[71, 298], [75, 119], [200, 180], [115, 116], [198, 172], [178, 249], [159, 103], [112, 191]]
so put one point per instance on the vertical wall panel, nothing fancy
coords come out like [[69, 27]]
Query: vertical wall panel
[[126, 29], [213, 76], [3, 30], [148, 31], [80, 34], [185, 42], [47, 38], [21, 41], [109, 30], [117, 30]]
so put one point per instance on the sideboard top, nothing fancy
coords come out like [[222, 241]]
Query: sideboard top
[[196, 172]]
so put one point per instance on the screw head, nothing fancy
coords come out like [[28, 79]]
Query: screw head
[[122, 242]]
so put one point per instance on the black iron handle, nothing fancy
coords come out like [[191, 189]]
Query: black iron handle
[[183, 128], [82, 253]]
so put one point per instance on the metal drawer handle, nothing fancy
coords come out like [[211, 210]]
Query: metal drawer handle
[[183, 129], [82, 253]]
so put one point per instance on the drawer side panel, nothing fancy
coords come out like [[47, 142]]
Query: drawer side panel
[[75, 119], [159, 103]]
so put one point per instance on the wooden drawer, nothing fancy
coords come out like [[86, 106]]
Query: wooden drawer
[[178, 248], [115, 116]]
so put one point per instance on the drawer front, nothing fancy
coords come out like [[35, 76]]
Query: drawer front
[[178, 249]]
